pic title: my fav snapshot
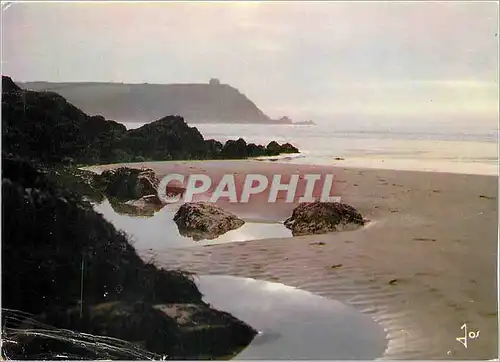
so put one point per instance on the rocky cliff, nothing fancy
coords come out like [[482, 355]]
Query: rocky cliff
[[196, 103], [44, 126]]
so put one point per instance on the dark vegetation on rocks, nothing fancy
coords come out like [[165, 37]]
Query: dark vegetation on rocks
[[45, 127], [50, 236], [65, 266], [201, 220], [323, 217]]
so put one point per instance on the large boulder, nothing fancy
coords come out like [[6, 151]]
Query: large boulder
[[254, 150], [214, 148], [126, 183], [235, 149], [204, 331], [288, 148], [201, 220], [274, 148], [169, 138], [323, 217]]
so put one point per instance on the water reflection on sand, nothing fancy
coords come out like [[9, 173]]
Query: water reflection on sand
[[293, 323], [159, 232]]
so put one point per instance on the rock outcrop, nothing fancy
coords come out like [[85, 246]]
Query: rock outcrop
[[125, 183], [186, 330], [8, 85], [205, 330], [43, 126], [240, 149], [169, 138], [323, 217], [65, 266], [274, 148], [201, 220]]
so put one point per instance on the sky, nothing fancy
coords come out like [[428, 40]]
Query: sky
[[301, 59]]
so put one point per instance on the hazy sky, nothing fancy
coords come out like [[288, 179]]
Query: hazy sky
[[295, 58]]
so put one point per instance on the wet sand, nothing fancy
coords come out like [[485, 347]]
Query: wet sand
[[425, 264]]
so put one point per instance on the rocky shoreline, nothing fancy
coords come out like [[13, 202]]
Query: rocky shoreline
[[66, 267], [69, 136], [68, 275], [73, 286]]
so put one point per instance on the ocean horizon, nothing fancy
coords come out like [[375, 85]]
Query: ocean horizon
[[442, 146]]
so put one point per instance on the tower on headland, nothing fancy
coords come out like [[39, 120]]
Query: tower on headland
[[214, 81]]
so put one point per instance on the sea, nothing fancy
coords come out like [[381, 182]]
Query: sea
[[462, 146]]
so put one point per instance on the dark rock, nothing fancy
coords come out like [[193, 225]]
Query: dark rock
[[126, 183], [235, 149], [8, 85], [273, 148], [254, 150], [288, 148], [206, 332], [180, 331], [46, 234], [201, 220], [166, 331], [48, 230], [45, 127], [136, 322], [323, 217], [57, 253], [169, 138], [79, 181], [214, 148]]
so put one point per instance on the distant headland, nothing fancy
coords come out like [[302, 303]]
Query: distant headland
[[212, 102]]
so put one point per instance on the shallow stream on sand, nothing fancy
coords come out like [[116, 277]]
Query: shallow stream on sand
[[292, 323]]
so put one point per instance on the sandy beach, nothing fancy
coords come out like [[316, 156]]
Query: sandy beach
[[424, 265]]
